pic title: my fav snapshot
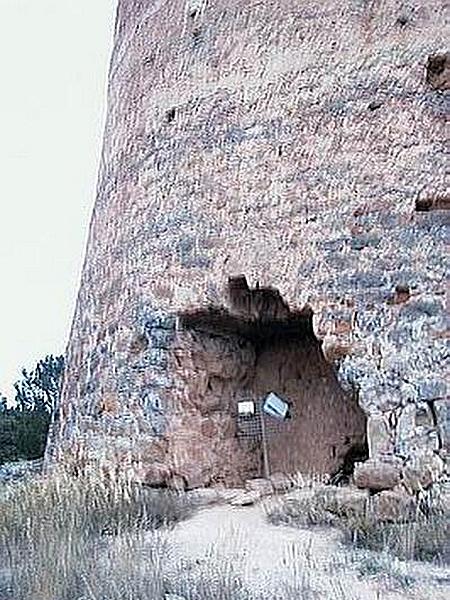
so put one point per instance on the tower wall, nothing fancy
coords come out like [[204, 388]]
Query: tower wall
[[291, 142]]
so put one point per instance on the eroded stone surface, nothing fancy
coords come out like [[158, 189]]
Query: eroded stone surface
[[345, 501], [377, 475], [438, 71], [393, 505], [281, 482], [422, 470]]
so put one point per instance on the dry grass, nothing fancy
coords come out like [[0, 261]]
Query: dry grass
[[56, 538], [427, 538], [96, 539], [89, 539]]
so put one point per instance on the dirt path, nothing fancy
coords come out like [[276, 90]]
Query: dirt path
[[243, 543]]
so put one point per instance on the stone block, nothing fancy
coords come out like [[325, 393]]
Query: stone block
[[422, 470], [345, 501], [379, 437], [377, 475], [406, 423], [245, 498], [393, 505], [177, 483], [432, 389], [438, 71], [206, 496], [280, 482], [156, 474], [260, 485]]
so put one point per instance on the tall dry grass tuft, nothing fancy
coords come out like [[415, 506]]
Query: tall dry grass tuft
[[100, 539], [427, 537], [56, 533]]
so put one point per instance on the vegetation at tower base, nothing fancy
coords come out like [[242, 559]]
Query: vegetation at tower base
[[92, 537], [24, 423]]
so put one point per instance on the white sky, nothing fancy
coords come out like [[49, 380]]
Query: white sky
[[54, 57]]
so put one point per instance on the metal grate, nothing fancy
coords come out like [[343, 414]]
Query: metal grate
[[258, 427], [250, 426]]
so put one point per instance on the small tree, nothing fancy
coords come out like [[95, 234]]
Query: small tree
[[38, 390], [24, 428]]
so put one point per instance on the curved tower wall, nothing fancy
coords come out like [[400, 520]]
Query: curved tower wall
[[290, 142]]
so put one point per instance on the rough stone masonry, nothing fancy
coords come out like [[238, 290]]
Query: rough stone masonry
[[270, 217]]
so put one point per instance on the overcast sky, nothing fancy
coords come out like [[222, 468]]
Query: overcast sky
[[54, 58]]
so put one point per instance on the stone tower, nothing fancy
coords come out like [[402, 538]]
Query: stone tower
[[270, 217]]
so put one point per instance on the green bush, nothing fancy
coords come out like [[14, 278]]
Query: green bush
[[23, 434], [24, 427]]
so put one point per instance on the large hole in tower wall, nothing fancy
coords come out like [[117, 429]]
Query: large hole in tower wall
[[243, 354]]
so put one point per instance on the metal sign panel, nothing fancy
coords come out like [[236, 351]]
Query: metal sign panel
[[275, 406], [246, 407]]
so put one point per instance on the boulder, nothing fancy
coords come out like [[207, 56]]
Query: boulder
[[393, 505], [345, 501], [438, 71], [377, 475], [260, 485], [206, 496], [281, 482], [245, 498], [379, 438], [422, 470], [156, 475], [177, 483]]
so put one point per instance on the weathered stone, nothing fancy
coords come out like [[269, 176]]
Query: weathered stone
[[245, 498], [438, 71], [177, 483], [424, 415], [156, 474], [442, 411], [393, 505], [281, 482], [406, 423], [377, 475], [379, 438], [345, 501], [335, 349], [432, 388], [422, 470], [261, 486], [207, 496], [232, 233]]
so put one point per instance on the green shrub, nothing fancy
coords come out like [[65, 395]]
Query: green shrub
[[24, 427], [23, 434]]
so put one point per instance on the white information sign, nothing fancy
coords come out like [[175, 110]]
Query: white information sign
[[246, 407]]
